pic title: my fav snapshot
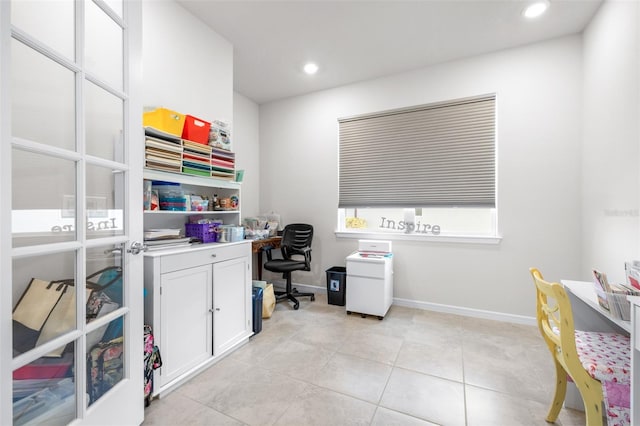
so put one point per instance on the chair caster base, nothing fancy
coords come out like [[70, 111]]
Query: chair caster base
[[292, 297]]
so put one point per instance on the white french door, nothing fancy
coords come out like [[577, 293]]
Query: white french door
[[71, 300]]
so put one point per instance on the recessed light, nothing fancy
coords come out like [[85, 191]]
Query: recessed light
[[535, 9], [310, 68]]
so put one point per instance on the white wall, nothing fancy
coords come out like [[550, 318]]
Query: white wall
[[245, 140], [187, 67], [539, 96], [610, 154], [190, 69]]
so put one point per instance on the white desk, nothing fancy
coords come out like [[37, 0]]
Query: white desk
[[635, 359], [584, 303]]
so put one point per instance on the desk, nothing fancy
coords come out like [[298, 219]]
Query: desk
[[584, 303], [258, 245], [635, 359]]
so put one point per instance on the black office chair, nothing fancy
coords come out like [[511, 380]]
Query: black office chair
[[296, 240]]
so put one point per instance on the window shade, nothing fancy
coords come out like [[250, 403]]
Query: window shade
[[438, 155]]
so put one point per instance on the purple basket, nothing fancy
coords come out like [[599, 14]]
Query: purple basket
[[206, 232]]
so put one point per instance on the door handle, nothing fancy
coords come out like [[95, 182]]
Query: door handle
[[137, 247]]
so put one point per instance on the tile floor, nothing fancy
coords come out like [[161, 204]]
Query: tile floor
[[320, 366]]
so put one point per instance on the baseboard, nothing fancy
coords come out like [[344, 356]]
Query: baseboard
[[280, 285], [436, 307], [467, 312]]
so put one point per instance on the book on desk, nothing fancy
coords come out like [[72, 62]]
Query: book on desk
[[632, 271], [613, 296]]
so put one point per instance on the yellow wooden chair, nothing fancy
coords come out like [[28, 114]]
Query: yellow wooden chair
[[589, 358]]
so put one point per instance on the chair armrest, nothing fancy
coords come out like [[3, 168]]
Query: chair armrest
[[267, 249], [306, 252]]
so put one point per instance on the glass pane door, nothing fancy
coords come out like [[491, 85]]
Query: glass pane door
[[75, 190]]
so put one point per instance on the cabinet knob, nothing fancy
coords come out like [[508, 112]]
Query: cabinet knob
[[213, 255]]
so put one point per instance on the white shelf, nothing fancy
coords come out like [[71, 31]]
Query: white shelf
[[189, 179], [178, 212], [202, 185]]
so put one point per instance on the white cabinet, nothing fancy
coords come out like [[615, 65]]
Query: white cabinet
[[369, 288], [199, 302]]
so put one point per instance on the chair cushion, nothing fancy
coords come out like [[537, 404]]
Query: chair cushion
[[284, 265], [605, 356], [617, 399]]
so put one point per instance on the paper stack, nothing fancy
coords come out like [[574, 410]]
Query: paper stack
[[223, 164], [159, 239], [196, 159], [162, 151]]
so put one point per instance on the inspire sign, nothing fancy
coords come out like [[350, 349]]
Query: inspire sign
[[409, 227]]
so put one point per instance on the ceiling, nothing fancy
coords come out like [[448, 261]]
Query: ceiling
[[360, 40]]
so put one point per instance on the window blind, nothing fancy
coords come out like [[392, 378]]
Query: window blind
[[435, 155]]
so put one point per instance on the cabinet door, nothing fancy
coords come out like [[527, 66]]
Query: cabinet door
[[232, 319], [185, 309]]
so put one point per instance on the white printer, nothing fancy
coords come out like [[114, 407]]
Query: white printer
[[374, 247], [369, 289]]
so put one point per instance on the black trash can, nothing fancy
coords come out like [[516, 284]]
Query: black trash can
[[257, 309], [336, 285]]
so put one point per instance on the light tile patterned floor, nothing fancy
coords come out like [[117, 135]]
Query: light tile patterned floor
[[320, 366]]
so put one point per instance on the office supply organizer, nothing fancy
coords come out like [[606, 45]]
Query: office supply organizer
[[206, 232], [173, 154], [164, 120], [196, 130]]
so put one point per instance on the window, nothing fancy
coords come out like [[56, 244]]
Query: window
[[424, 170]]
